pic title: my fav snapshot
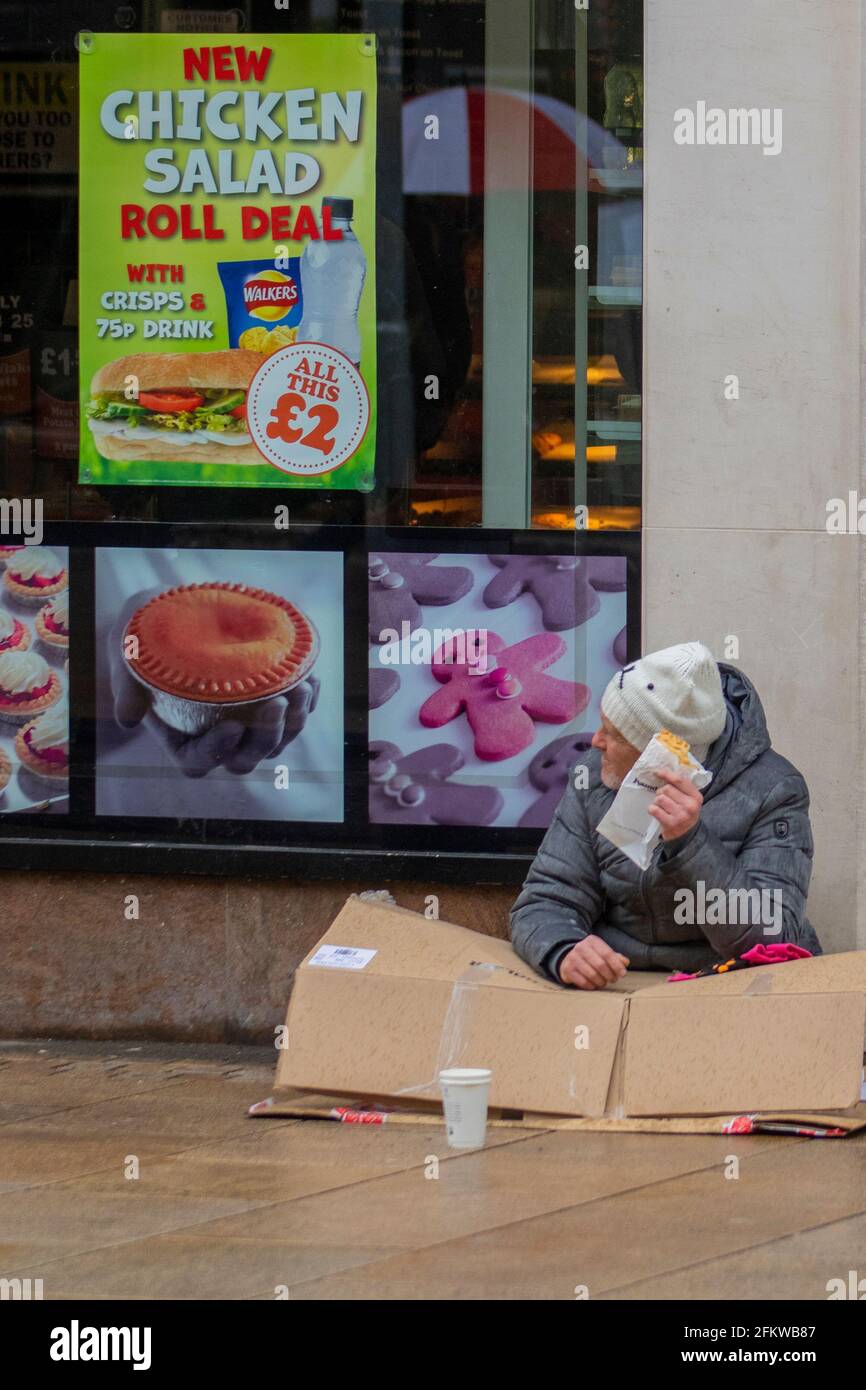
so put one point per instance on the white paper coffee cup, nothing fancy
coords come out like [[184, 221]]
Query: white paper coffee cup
[[464, 1096]]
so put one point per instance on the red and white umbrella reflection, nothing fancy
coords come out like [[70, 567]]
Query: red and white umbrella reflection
[[568, 150]]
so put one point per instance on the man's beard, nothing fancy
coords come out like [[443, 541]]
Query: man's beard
[[610, 779]]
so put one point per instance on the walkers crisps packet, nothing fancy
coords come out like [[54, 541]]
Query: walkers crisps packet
[[264, 303], [628, 824]]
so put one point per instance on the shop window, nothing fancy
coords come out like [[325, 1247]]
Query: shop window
[[470, 257]]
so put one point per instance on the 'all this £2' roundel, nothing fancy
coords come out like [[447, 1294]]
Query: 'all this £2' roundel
[[307, 409]]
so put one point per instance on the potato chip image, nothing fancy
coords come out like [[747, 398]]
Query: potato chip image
[[261, 296], [279, 338], [255, 340]]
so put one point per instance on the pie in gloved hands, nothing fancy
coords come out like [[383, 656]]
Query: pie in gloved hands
[[220, 643]]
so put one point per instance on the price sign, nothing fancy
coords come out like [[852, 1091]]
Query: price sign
[[307, 409]]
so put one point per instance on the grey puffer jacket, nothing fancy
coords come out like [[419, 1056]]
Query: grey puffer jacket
[[753, 833]]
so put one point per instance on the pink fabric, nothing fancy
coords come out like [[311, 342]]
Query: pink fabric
[[772, 955], [775, 954]]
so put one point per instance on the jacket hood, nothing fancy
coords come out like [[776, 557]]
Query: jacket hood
[[744, 737]]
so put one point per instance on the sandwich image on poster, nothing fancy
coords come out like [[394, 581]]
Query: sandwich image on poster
[[227, 325], [189, 403], [34, 679], [219, 684]]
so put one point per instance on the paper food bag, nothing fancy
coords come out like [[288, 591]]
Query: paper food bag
[[628, 824]]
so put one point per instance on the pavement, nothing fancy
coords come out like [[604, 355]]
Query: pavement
[[131, 1171]]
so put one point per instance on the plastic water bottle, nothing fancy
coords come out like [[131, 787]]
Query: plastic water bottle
[[332, 278]]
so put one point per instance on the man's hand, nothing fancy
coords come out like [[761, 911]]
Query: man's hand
[[591, 964], [677, 806]]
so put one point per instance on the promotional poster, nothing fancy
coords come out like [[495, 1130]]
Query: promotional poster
[[228, 322], [220, 684], [485, 677]]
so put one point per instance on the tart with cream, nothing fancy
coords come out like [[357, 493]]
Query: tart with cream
[[27, 686], [52, 621], [5, 771], [43, 744], [34, 575], [7, 552], [220, 643], [14, 636]]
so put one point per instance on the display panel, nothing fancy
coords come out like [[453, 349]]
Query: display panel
[[218, 695], [34, 681], [295, 753], [475, 705]]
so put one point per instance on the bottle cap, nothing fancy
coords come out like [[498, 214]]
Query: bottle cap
[[340, 207]]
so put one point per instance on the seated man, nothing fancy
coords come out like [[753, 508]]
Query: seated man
[[586, 911]]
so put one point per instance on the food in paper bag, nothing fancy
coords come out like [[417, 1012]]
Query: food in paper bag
[[628, 824]]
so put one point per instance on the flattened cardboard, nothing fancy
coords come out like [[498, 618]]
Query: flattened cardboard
[[702, 1055], [432, 995], [298, 1105], [819, 974], [417, 1032]]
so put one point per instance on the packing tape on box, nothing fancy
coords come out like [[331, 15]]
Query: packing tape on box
[[463, 992], [762, 983]]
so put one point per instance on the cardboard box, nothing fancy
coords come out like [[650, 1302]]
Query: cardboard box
[[812, 1124], [387, 999]]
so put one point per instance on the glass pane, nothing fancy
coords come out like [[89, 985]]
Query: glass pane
[[588, 204]]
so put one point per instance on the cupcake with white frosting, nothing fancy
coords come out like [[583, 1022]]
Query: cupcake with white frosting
[[28, 686], [14, 635], [52, 621], [34, 574], [43, 744], [7, 552]]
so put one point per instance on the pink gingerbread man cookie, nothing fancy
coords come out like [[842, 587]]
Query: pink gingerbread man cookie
[[503, 703]]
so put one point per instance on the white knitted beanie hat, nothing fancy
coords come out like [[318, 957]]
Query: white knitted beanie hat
[[678, 688]]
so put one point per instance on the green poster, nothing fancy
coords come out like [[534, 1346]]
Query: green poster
[[227, 311]]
